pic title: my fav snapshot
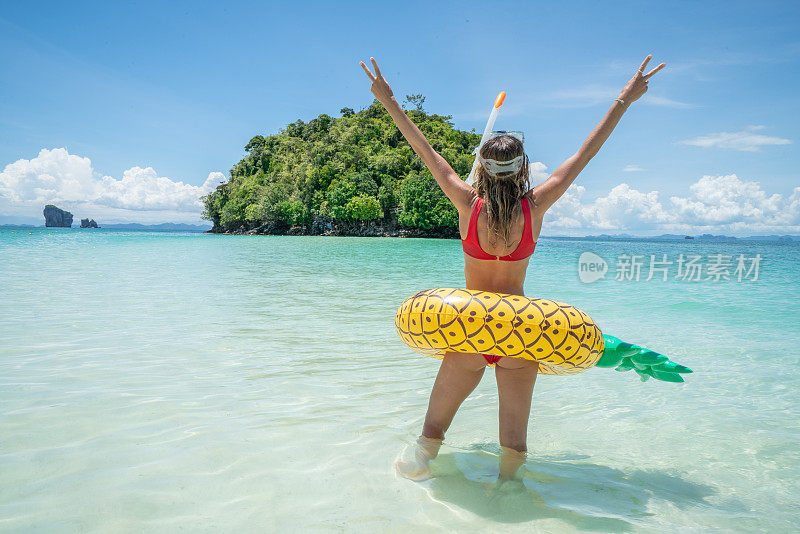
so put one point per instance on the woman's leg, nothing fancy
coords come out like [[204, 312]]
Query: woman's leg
[[515, 380], [457, 378]]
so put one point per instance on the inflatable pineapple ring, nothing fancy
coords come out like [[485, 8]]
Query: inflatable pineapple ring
[[562, 338]]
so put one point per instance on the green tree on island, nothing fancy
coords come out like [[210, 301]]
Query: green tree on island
[[351, 172]]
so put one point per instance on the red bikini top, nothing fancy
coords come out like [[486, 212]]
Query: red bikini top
[[473, 248]]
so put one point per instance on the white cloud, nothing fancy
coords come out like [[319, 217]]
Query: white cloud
[[621, 208], [53, 175], [538, 171], [632, 168], [716, 204], [143, 189], [663, 101], [781, 54], [582, 97], [746, 141], [730, 202], [566, 213], [592, 95], [56, 176]]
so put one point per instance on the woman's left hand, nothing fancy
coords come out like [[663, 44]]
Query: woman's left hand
[[637, 86], [380, 87]]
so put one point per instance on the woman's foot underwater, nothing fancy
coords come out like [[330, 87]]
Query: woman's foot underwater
[[510, 462], [415, 464]]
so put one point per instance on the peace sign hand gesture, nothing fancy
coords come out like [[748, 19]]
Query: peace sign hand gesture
[[380, 88], [637, 86]]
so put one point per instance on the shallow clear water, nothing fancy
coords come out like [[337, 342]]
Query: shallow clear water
[[160, 381]]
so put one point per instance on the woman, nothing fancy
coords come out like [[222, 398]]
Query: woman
[[499, 221]]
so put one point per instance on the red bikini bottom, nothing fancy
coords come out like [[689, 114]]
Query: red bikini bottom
[[492, 359]]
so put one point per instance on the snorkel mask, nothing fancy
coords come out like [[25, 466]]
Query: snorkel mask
[[501, 169]]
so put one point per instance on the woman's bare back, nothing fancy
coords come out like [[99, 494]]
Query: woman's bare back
[[495, 275]]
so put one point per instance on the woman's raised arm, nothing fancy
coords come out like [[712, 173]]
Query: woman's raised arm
[[456, 189], [546, 193]]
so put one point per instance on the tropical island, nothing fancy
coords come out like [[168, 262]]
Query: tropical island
[[351, 175]]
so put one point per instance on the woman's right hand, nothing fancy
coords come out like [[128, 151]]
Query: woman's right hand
[[380, 87], [637, 86]]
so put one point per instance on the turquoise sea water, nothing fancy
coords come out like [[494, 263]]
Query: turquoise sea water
[[164, 381]]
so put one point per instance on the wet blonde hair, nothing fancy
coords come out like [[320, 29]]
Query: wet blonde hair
[[502, 194]]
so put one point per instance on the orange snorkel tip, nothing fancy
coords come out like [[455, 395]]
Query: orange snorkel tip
[[499, 101]]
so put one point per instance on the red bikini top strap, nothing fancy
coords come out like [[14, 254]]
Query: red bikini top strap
[[472, 229], [526, 212]]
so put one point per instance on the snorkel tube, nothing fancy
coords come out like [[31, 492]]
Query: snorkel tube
[[486, 132]]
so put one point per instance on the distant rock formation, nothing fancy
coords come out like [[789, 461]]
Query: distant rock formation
[[88, 223], [55, 217]]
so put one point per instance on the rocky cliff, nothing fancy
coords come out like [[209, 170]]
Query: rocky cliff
[[55, 217], [88, 223]]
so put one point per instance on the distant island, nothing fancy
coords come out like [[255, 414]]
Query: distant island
[[351, 175], [56, 218]]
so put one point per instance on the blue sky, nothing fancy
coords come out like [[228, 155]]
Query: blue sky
[[153, 100]]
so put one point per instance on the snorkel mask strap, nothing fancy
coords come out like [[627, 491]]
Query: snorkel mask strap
[[497, 168]]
